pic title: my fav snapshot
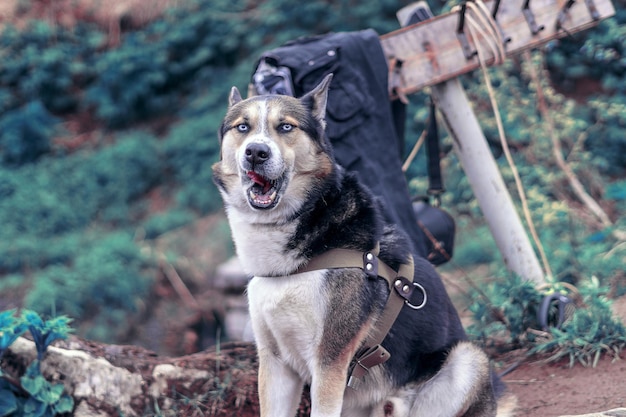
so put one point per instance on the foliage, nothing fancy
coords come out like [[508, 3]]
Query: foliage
[[158, 224], [11, 327], [590, 332], [600, 55], [45, 332], [25, 133], [41, 199], [47, 63], [474, 246], [506, 311], [33, 395], [592, 137], [576, 249], [105, 283], [149, 109]]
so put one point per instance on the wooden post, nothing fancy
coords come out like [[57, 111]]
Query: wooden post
[[482, 172], [435, 51]]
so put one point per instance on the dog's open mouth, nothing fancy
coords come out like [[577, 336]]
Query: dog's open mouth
[[263, 193]]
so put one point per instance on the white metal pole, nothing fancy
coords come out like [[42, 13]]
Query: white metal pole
[[482, 172]]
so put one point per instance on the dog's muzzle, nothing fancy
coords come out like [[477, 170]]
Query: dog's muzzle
[[261, 168]]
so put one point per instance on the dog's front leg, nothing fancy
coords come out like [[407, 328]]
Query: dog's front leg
[[327, 389], [280, 388]]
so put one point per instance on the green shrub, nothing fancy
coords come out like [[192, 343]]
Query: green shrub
[[473, 245], [46, 63], [25, 133], [190, 150], [121, 173], [506, 311], [599, 54], [108, 274], [30, 252], [61, 195], [591, 331], [164, 222]]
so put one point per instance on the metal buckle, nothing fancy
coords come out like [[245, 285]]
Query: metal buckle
[[364, 361], [417, 307]]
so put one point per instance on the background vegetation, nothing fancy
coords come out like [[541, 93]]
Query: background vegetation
[[105, 146]]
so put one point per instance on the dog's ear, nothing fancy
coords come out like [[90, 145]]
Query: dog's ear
[[317, 98], [234, 97]]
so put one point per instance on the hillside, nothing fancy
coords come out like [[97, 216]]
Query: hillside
[[107, 137]]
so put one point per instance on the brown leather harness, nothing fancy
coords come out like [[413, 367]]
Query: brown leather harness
[[401, 288]]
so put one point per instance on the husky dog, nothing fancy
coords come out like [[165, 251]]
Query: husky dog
[[288, 202]]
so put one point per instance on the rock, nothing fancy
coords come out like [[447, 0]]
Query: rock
[[230, 276], [616, 412]]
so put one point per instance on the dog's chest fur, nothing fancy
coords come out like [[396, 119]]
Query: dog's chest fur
[[262, 248], [288, 316]]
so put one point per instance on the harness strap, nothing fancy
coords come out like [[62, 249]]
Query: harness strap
[[401, 287]]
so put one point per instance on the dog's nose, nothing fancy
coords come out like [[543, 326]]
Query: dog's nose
[[257, 153]]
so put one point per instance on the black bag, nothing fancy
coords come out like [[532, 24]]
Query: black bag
[[359, 118], [439, 228], [361, 123]]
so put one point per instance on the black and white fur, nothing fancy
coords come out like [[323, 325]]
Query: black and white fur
[[287, 201]]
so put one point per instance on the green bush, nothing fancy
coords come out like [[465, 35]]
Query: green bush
[[190, 150], [171, 78], [46, 63], [108, 275], [60, 195], [30, 252], [506, 311], [164, 222], [591, 331], [474, 245], [599, 54], [25, 133]]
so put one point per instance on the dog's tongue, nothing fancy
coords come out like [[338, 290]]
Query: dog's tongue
[[265, 184]]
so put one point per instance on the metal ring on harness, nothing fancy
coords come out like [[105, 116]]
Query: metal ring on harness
[[414, 307]]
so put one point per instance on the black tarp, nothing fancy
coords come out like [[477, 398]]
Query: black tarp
[[360, 123]]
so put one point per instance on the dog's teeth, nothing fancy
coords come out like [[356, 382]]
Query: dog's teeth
[[262, 200]]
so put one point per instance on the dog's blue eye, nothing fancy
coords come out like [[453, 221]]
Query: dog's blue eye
[[285, 127], [243, 127]]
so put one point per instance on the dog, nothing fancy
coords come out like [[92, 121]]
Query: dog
[[288, 202]]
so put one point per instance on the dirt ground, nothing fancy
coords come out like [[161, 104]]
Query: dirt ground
[[555, 389], [542, 390]]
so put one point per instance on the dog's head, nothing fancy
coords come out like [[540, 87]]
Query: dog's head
[[273, 151]]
